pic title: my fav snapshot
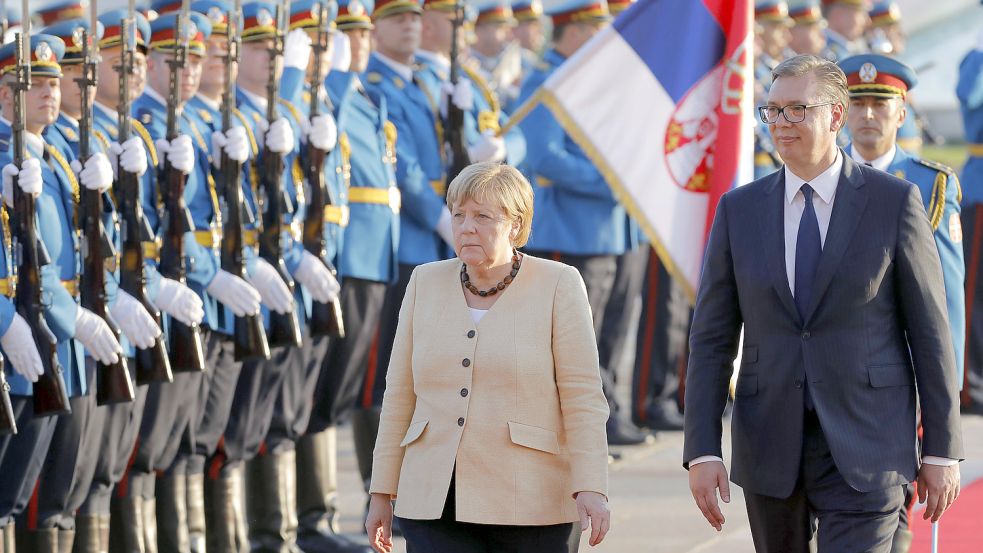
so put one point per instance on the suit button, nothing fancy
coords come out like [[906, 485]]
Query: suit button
[[470, 334], [466, 362], [460, 421], [806, 335], [798, 384], [464, 392]]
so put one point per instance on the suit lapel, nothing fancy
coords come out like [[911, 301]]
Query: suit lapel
[[848, 207], [773, 236]]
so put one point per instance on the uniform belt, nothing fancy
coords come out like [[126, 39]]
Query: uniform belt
[[383, 196], [337, 214], [7, 286], [975, 150], [439, 186], [208, 238]]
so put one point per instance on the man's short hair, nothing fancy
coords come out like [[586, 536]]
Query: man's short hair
[[830, 79]]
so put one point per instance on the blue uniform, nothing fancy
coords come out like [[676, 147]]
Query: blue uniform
[[575, 209], [420, 170], [970, 92]]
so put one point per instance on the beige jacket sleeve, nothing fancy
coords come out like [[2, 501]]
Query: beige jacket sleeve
[[399, 401], [578, 380]]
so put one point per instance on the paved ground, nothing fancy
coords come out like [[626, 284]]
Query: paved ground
[[652, 507]]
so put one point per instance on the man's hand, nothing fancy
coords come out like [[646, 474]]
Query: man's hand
[[594, 513], [938, 488], [704, 479]]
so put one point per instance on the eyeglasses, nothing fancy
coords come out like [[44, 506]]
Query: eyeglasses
[[794, 113]]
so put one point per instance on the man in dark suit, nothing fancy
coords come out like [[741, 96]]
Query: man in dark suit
[[831, 269]]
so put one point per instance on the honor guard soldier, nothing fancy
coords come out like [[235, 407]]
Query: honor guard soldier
[[808, 27], [529, 33], [771, 38], [878, 86], [577, 218], [369, 266], [75, 328], [970, 92], [61, 10], [885, 34], [847, 22], [105, 423], [498, 55]]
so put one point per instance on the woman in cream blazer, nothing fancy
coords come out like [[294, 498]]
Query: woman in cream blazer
[[493, 423]]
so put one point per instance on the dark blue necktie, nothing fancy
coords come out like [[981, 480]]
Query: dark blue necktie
[[808, 247]]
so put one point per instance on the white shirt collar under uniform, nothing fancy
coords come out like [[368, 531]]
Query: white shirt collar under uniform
[[881, 163]]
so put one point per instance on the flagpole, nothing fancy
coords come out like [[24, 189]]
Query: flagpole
[[519, 114]]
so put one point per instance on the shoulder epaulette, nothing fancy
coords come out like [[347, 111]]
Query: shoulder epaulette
[[933, 165], [147, 141]]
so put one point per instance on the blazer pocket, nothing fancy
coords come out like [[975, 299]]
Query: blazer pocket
[[533, 437], [747, 385], [882, 376], [750, 355], [413, 432]]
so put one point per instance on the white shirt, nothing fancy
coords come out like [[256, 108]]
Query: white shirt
[[822, 200], [438, 59], [477, 314], [881, 163], [403, 70], [824, 186], [260, 102]]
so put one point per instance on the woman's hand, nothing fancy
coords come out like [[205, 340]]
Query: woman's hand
[[592, 507], [379, 522]]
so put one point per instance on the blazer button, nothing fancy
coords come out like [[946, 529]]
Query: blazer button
[[460, 421], [470, 334], [806, 335], [464, 392], [466, 362], [798, 384]]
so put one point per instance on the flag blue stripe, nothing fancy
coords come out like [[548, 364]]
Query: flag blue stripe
[[679, 41]]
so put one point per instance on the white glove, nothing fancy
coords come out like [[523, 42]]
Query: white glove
[[280, 137], [341, 56], [461, 94], [180, 302], [297, 49], [235, 143], [131, 154], [323, 133], [489, 147], [314, 275], [22, 353], [96, 336], [180, 152], [234, 293], [30, 180], [137, 325], [444, 228], [97, 174], [266, 279]]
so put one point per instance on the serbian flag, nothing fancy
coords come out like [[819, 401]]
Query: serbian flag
[[659, 100]]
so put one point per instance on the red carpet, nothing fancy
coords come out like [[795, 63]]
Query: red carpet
[[961, 528]]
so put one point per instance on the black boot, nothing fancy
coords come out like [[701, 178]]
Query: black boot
[[317, 490], [196, 512], [125, 529], [86, 534], [172, 514], [224, 512], [621, 432], [42, 540], [267, 498]]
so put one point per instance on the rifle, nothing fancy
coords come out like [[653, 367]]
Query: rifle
[[8, 423], [152, 364], [326, 318], [249, 335], [455, 141], [50, 394], [114, 384], [187, 351], [284, 328]]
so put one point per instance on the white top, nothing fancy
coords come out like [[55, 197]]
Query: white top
[[477, 314], [401, 69], [824, 186], [881, 163]]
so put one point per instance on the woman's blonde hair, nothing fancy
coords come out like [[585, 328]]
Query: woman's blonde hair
[[492, 182]]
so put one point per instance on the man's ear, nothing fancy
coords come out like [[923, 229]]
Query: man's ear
[[838, 111]]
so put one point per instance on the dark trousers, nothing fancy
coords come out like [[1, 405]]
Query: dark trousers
[[621, 312], [21, 457], [68, 468], [972, 385], [447, 535], [598, 272], [294, 401], [121, 423], [213, 404], [849, 521], [662, 348]]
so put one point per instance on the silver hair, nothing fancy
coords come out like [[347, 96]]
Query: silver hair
[[830, 79]]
